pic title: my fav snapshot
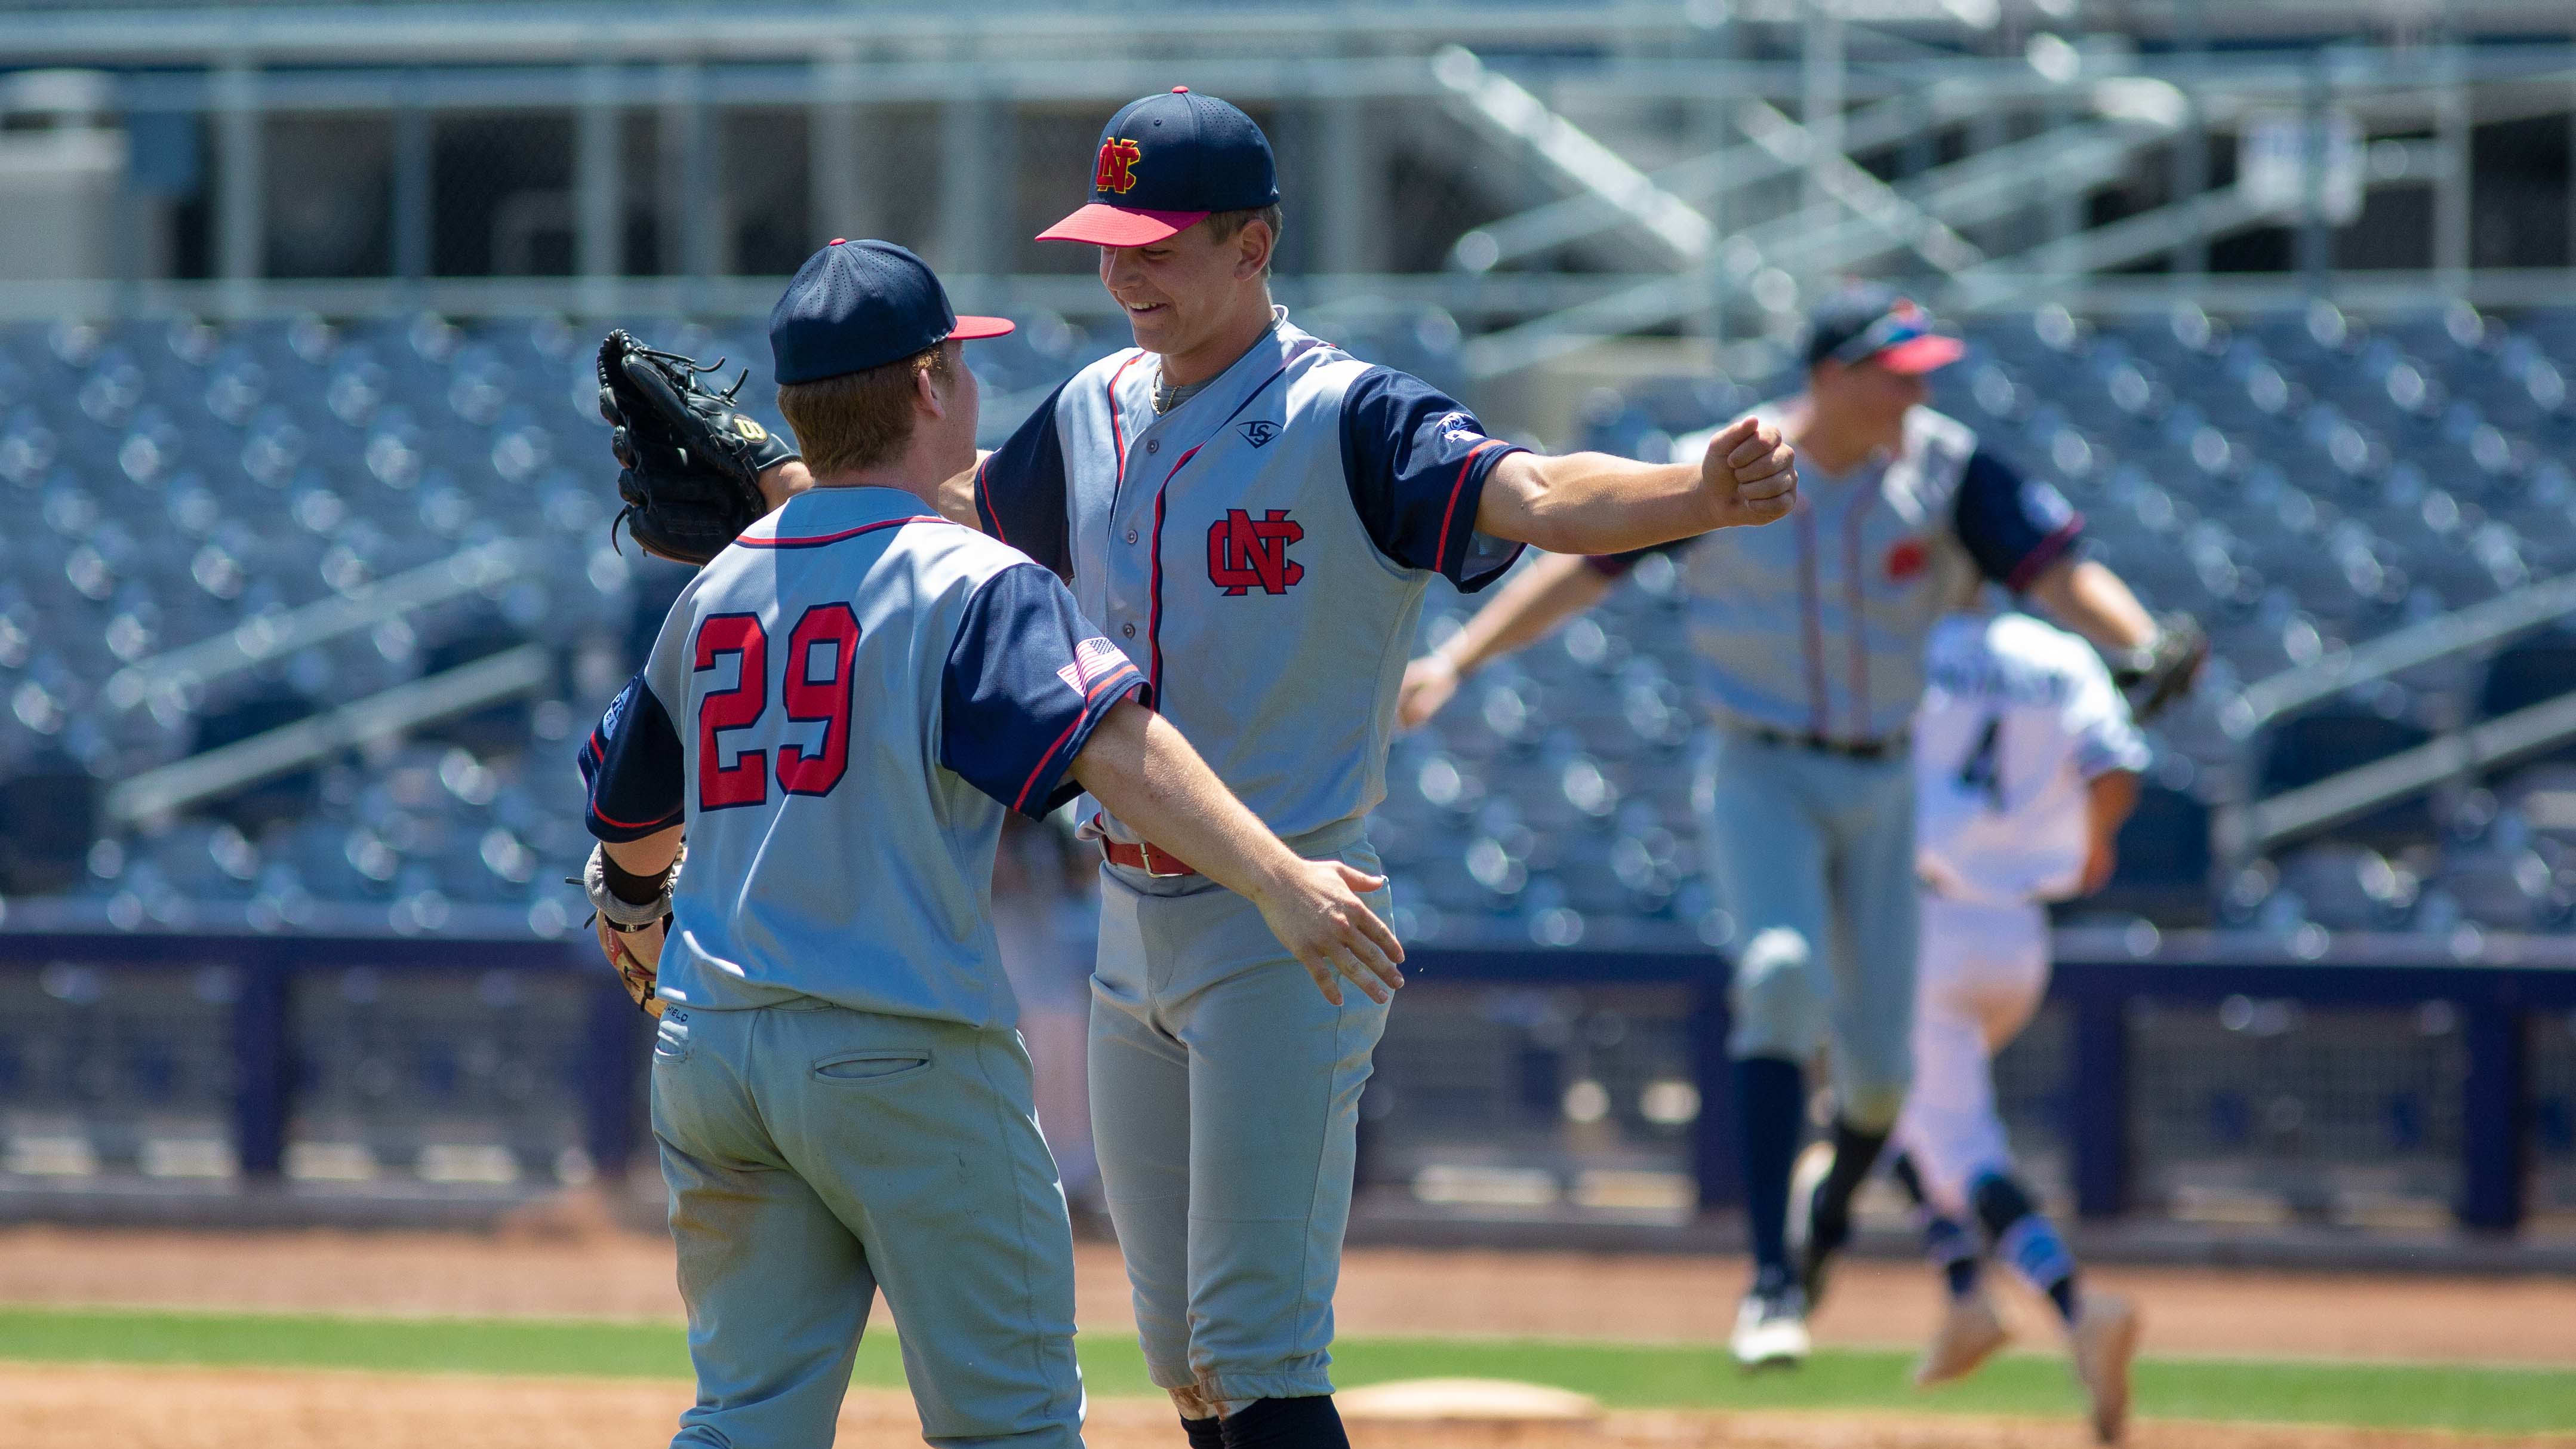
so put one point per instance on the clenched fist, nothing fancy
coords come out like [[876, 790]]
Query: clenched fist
[[1750, 474]]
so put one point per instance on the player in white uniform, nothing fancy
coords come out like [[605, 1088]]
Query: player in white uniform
[[840, 708], [2025, 765]]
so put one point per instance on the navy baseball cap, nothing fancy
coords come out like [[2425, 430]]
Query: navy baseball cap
[[1165, 162], [1875, 324], [861, 304]]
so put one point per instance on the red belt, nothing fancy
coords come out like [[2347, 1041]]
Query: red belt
[[1143, 857]]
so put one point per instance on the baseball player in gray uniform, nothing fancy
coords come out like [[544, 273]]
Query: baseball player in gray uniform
[[838, 711], [1809, 639], [2025, 766], [1255, 514]]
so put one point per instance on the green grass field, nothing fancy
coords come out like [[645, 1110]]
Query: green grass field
[[1620, 1375]]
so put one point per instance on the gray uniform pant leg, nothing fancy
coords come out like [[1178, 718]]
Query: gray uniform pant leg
[[815, 1155], [1815, 856], [1225, 1109]]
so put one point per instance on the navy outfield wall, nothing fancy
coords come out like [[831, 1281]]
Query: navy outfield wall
[[2492, 987]]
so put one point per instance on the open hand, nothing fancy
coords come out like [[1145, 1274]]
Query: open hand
[[1430, 682], [1750, 474], [1317, 913]]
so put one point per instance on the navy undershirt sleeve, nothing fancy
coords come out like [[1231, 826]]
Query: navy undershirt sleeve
[[1417, 461], [2013, 526], [1026, 682], [1020, 491], [632, 764]]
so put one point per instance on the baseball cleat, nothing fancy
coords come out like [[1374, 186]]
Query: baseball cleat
[[1969, 1334], [1771, 1330], [2104, 1339], [1809, 1248]]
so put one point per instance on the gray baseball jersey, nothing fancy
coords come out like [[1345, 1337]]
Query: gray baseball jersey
[[2019, 716], [1260, 551], [840, 706], [1815, 625]]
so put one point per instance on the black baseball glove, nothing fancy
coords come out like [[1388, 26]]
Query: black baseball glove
[[2154, 675], [689, 461]]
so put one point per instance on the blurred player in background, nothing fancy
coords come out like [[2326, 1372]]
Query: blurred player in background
[[2025, 765], [1046, 919], [1810, 640]]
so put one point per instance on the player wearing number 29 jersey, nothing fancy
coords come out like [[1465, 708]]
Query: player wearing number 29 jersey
[[843, 705]]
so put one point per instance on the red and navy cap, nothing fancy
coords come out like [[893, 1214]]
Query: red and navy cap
[[861, 304], [1164, 163], [1875, 324]]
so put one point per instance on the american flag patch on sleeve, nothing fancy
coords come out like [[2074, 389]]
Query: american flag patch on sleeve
[[1094, 660]]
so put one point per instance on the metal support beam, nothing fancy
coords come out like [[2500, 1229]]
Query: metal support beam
[[414, 167], [2249, 829], [2452, 132], [173, 787], [241, 196], [966, 160], [692, 205], [599, 202], [1501, 107], [1821, 107], [266, 637], [263, 1069], [2460, 631], [836, 198]]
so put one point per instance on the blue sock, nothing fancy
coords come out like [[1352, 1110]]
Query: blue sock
[[1951, 1250], [2027, 1241], [1771, 1111]]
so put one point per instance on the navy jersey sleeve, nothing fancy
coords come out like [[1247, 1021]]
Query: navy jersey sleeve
[[632, 763], [1020, 491], [1417, 463], [1027, 681], [2013, 526]]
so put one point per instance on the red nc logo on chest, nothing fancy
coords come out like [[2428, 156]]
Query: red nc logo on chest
[[1245, 552]]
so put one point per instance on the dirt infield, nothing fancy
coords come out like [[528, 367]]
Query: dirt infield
[[1384, 1292], [127, 1408]]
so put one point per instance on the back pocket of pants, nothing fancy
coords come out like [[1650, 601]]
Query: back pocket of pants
[[871, 1066]]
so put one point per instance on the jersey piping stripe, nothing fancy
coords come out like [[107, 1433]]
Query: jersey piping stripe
[[989, 516], [1862, 725], [2043, 554], [1441, 554], [1154, 589], [1118, 435], [818, 540], [1123, 672], [1811, 623]]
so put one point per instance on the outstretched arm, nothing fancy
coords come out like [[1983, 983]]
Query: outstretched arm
[[1597, 503], [1553, 589], [2091, 600], [957, 495], [1148, 775], [2108, 799]]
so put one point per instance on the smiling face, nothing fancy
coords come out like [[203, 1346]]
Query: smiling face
[[1191, 298]]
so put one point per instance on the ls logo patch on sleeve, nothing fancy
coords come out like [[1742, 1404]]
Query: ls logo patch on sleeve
[[1258, 432], [1246, 553]]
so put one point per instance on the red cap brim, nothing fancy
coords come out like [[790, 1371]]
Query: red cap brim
[[1121, 226], [1920, 354], [970, 328]]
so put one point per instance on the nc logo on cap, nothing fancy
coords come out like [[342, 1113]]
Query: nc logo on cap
[[1117, 168]]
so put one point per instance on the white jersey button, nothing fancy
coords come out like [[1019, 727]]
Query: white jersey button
[[1127, 629], [1153, 445], [1131, 535]]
